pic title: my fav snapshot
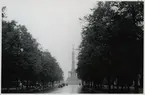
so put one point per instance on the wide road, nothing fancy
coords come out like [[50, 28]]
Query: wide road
[[68, 89]]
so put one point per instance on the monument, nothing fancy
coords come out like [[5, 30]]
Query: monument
[[72, 75]]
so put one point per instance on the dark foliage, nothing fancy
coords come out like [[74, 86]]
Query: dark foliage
[[112, 45], [23, 60]]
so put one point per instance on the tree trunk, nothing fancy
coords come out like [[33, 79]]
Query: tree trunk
[[121, 87], [82, 83], [27, 84], [128, 88], [117, 87], [113, 85], [136, 86], [93, 84], [109, 84], [52, 83], [101, 86]]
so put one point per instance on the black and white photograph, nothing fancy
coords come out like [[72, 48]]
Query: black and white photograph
[[72, 46]]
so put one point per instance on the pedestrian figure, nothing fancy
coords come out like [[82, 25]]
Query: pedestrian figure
[[20, 84]]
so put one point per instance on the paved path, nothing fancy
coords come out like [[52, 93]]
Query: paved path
[[68, 89]]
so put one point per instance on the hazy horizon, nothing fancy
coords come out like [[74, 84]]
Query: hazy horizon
[[54, 24]]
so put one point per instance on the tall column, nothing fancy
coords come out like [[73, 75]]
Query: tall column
[[73, 60]]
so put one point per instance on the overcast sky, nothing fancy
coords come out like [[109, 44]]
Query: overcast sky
[[54, 23]]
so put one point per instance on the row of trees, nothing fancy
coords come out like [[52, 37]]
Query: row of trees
[[112, 45], [23, 59]]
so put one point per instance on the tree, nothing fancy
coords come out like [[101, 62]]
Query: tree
[[23, 60], [112, 43]]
